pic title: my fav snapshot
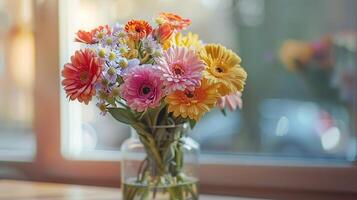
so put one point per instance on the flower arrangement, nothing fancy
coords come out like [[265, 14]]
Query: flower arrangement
[[313, 61], [327, 64], [148, 76]]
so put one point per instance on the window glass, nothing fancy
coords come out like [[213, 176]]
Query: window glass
[[299, 101], [16, 79]]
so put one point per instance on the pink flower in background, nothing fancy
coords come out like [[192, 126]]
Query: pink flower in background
[[180, 68], [322, 52], [142, 88], [231, 101]]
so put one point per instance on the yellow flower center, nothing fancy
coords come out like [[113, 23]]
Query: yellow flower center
[[122, 50], [111, 71], [100, 35], [116, 92], [109, 41], [112, 56], [101, 53], [123, 63], [102, 107]]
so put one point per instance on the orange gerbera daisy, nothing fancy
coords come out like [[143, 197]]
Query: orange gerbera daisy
[[88, 37], [138, 29], [176, 22], [81, 75], [193, 104]]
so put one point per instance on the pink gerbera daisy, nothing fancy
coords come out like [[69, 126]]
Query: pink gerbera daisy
[[231, 101], [180, 69], [142, 88]]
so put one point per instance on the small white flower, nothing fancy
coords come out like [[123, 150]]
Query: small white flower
[[123, 48], [100, 35]]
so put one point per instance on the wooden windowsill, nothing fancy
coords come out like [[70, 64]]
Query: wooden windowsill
[[19, 190]]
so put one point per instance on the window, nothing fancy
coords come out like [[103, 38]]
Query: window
[[17, 47], [293, 125]]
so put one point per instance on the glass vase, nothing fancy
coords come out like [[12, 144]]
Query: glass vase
[[164, 170]]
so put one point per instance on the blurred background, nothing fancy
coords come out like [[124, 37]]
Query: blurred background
[[299, 106]]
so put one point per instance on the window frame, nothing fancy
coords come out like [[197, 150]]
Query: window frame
[[270, 179]]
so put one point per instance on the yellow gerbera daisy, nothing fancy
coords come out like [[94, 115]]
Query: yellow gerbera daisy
[[190, 40], [223, 68], [193, 104]]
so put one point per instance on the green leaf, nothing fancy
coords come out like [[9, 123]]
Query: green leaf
[[192, 123], [122, 115], [224, 112]]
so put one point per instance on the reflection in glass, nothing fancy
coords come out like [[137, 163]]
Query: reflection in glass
[[17, 53]]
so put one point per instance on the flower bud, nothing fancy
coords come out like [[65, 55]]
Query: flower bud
[[157, 54], [159, 20], [115, 92], [101, 53], [109, 41], [150, 50], [163, 32], [100, 35], [112, 56]]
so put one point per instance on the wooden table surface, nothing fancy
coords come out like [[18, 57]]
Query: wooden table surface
[[22, 190]]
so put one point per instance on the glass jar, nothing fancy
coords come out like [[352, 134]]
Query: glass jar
[[172, 174]]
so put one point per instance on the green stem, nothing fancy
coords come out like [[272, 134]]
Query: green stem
[[150, 147], [140, 171]]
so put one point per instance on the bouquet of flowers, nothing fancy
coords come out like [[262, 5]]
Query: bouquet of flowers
[[313, 61], [148, 77]]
